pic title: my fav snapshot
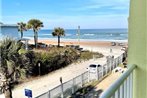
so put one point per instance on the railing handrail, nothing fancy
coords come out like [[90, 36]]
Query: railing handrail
[[110, 91]]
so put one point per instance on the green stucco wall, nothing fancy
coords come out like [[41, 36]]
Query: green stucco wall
[[138, 45]]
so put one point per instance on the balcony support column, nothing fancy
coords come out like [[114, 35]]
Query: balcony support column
[[137, 53]]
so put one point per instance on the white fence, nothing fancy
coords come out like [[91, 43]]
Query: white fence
[[68, 88]]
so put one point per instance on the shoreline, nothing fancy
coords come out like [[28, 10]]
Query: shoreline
[[82, 40], [92, 43]]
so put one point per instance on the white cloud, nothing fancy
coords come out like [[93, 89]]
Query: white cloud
[[97, 19], [97, 4], [91, 21], [124, 2]]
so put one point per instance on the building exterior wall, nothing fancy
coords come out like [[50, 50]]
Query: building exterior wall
[[137, 53]]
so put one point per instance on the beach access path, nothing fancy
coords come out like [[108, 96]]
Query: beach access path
[[51, 80]]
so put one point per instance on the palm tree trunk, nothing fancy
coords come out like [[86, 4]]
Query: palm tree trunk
[[8, 92], [35, 38], [21, 34], [58, 41]]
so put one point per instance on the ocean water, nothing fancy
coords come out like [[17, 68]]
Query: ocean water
[[85, 34]]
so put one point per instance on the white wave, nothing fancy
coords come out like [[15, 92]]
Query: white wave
[[29, 37], [123, 34], [47, 34], [89, 34], [68, 34]]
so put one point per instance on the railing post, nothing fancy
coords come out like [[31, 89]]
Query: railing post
[[96, 73], [122, 91], [88, 75], [82, 79], [128, 88], [122, 57], [110, 64], [106, 68], [131, 85], [107, 64], [112, 58], [113, 96], [99, 73], [102, 70], [125, 89], [49, 94], [115, 62], [118, 60], [73, 86], [117, 93]]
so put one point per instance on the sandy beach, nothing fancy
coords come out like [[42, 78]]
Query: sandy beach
[[51, 80], [91, 43]]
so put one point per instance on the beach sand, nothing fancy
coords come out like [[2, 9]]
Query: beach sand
[[96, 46], [51, 80], [82, 42]]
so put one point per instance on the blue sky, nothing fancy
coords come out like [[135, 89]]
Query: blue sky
[[68, 13]]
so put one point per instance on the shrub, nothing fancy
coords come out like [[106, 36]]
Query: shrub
[[54, 58], [86, 55]]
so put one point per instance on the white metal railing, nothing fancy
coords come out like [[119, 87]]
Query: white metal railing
[[123, 87]]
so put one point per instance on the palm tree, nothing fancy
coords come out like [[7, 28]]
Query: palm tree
[[21, 28], [58, 32], [13, 65], [35, 24]]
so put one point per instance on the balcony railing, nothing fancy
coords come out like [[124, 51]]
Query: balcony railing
[[123, 87]]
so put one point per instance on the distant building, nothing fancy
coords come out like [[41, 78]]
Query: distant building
[[7, 30]]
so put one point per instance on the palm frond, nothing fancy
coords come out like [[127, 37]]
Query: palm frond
[[13, 65], [58, 32]]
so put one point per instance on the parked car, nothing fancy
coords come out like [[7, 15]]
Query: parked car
[[93, 67]]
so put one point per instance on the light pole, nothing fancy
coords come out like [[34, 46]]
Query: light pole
[[78, 35]]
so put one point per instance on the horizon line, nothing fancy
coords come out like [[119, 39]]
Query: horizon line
[[83, 28]]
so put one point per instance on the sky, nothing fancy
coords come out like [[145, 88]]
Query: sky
[[68, 14]]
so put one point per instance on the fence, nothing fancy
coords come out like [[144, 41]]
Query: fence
[[68, 88]]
